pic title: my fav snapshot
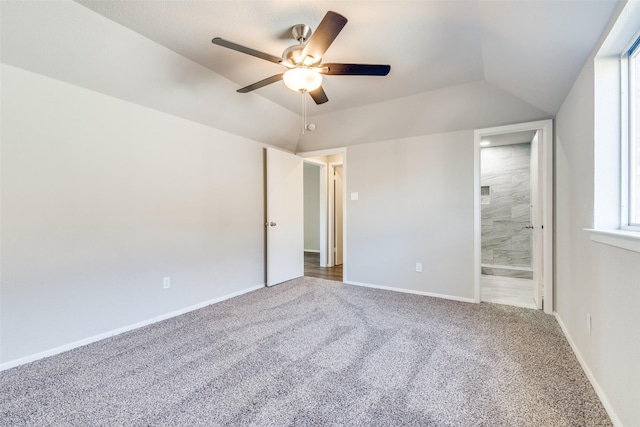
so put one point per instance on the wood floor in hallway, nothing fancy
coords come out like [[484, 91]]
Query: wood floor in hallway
[[312, 268]]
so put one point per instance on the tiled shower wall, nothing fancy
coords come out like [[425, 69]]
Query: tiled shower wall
[[506, 195]]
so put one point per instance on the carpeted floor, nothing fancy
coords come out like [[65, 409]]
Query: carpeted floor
[[314, 352]]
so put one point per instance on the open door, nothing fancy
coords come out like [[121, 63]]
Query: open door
[[337, 211], [285, 217], [536, 220]]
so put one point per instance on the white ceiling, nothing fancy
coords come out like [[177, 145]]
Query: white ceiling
[[530, 49]]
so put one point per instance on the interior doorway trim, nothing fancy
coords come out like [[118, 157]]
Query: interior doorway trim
[[326, 241], [332, 229], [546, 130]]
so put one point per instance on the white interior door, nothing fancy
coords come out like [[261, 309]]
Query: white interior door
[[536, 220], [285, 217], [338, 209]]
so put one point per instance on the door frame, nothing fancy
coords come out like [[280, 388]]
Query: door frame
[[329, 152], [323, 209], [546, 141], [332, 225]]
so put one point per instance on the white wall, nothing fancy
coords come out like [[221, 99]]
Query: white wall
[[591, 277], [415, 204], [311, 207], [101, 199]]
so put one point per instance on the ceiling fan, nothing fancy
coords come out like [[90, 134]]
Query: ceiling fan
[[303, 60]]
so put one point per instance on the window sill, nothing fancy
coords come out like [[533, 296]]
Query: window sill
[[629, 240]]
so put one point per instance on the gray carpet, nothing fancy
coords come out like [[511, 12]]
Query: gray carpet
[[314, 352]]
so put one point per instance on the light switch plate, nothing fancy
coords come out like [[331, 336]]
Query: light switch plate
[[354, 196]]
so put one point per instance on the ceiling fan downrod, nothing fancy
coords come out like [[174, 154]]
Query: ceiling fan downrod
[[304, 113]]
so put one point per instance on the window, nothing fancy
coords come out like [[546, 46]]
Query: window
[[616, 208], [631, 173]]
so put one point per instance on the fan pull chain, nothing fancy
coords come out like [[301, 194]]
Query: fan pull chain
[[304, 112]]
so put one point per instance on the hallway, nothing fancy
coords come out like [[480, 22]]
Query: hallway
[[312, 268]]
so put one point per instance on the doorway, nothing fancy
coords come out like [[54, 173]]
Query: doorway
[[315, 206], [514, 215], [507, 202], [324, 214]]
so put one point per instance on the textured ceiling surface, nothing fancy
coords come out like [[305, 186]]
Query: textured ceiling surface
[[530, 49]]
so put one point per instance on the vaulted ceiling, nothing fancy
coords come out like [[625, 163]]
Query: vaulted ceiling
[[532, 50], [454, 64]]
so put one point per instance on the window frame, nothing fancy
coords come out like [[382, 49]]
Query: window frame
[[628, 149], [611, 133]]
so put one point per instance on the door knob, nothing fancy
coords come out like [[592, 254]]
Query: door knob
[[529, 227], [270, 224]]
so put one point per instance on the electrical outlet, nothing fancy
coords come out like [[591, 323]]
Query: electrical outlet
[[166, 282], [419, 267], [588, 323]]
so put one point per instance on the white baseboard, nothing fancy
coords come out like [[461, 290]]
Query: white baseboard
[[315, 251], [410, 291], [89, 340], [603, 397]]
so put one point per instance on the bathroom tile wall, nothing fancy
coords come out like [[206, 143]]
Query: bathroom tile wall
[[506, 211]]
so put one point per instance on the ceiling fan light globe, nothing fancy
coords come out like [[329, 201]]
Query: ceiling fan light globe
[[302, 79]]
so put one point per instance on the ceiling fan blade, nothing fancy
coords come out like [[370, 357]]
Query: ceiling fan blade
[[356, 69], [261, 83], [319, 96], [325, 34], [247, 50]]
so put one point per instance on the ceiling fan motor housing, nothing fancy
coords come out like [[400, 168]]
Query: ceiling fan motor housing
[[292, 56], [301, 33]]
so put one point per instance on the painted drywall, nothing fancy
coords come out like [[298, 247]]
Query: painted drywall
[[593, 278], [415, 204], [65, 40], [510, 40], [102, 199], [311, 207]]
